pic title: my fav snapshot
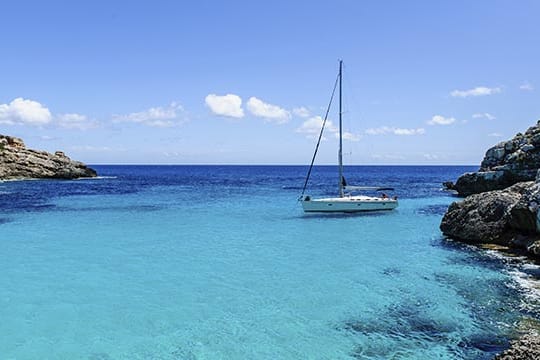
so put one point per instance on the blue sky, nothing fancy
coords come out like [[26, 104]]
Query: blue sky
[[244, 82]]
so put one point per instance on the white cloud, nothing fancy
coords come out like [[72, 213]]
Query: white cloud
[[24, 112], [477, 91], [268, 111], [156, 116], [349, 136], [418, 131], [431, 156], [75, 121], [388, 156], [229, 105], [313, 125], [301, 112], [441, 120], [484, 116], [387, 130], [72, 117], [91, 148], [526, 86], [495, 135]]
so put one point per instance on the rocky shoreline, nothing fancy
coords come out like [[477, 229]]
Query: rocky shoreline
[[18, 162], [526, 347], [505, 217], [501, 208], [504, 164], [502, 198]]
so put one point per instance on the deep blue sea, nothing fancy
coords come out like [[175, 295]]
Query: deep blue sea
[[220, 262]]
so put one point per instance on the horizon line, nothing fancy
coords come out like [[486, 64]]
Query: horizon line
[[245, 164]]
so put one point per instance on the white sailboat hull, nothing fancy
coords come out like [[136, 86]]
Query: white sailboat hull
[[348, 204]]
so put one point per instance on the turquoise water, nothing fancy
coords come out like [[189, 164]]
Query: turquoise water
[[215, 262]]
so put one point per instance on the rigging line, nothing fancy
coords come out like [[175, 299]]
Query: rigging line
[[320, 137]]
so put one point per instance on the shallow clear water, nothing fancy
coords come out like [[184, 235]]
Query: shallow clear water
[[219, 262]]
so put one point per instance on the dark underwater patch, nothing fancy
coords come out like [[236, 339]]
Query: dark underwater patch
[[488, 343], [403, 322], [37, 195], [405, 319], [391, 271], [40, 207], [342, 215], [128, 208], [411, 324], [183, 353], [432, 210], [471, 255], [99, 356], [484, 296], [285, 187]]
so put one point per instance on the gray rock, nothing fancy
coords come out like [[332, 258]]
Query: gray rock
[[527, 347], [527, 147], [18, 162], [448, 185], [509, 146], [534, 248], [477, 182], [513, 161], [502, 204], [535, 139], [537, 178], [506, 217], [483, 218]]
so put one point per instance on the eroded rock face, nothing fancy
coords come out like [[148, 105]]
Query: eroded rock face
[[507, 217], [18, 162], [505, 164], [502, 202], [481, 181], [483, 218]]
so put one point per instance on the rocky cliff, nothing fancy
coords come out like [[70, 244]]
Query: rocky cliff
[[502, 203], [505, 217], [18, 162], [505, 164]]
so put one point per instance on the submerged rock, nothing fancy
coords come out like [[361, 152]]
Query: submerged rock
[[18, 162], [448, 185], [505, 164]]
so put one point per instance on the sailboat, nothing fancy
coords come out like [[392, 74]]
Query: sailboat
[[346, 201]]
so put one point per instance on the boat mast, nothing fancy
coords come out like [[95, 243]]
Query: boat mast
[[340, 153]]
